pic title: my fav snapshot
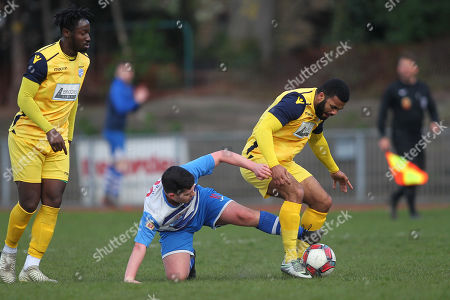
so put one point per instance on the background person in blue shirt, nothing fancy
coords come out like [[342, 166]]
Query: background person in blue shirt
[[122, 100]]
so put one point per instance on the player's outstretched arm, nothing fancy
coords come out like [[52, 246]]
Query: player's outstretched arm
[[136, 257], [320, 148], [261, 171]]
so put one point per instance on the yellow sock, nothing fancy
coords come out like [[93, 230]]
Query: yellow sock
[[42, 231], [313, 219], [290, 221], [18, 221], [301, 247]]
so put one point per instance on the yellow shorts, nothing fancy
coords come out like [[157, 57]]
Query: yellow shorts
[[34, 160], [294, 169]]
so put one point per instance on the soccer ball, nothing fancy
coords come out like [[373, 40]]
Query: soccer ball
[[319, 260]]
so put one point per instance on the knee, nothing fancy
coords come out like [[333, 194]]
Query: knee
[[176, 276], [325, 204], [296, 193], [29, 198], [52, 200], [29, 205]]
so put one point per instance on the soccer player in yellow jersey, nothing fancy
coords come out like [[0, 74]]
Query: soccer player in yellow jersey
[[295, 118], [39, 140]]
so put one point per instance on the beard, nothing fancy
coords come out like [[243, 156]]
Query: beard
[[320, 109], [78, 47]]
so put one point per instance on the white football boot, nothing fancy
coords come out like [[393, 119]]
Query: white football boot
[[33, 274], [295, 268], [8, 267]]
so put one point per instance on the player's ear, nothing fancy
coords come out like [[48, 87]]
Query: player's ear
[[321, 96], [66, 33], [171, 196]]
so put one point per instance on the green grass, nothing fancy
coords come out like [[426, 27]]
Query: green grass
[[376, 259]]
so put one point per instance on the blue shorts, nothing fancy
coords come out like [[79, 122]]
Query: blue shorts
[[211, 207]]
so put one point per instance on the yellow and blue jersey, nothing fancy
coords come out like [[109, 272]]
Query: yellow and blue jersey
[[296, 113], [60, 78]]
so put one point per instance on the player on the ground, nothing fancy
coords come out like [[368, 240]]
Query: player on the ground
[[295, 118], [177, 206], [39, 140]]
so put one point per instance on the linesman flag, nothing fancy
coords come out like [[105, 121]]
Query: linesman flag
[[405, 172]]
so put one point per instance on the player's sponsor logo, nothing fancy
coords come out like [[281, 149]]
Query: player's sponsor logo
[[80, 72], [309, 114], [304, 130], [66, 91], [37, 58], [180, 216], [59, 69], [178, 219]]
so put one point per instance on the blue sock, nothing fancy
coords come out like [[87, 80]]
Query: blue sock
[[269, 223], [113, 180], [192, 262]]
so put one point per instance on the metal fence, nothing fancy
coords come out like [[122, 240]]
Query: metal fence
[[355, 151]]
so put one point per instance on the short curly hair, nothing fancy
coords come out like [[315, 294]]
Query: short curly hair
[[70, 17]]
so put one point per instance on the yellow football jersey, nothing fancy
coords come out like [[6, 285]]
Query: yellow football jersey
[[60, 78], [295, 111]]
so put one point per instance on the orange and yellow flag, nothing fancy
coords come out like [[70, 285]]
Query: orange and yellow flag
[[405, 172]]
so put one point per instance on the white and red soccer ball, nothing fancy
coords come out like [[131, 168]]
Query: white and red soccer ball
[[319, 260]]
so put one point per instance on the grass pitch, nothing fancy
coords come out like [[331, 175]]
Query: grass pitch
[[376, 259]]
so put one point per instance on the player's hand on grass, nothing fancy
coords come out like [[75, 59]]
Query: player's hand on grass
[[129, 280], [280, 175], [56, 141], [262, 171], [384, 144], [340, 177]]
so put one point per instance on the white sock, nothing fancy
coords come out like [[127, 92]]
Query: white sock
[[31, 261], [7, 249]]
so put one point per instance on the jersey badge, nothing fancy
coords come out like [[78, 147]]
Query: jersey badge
[[402, 92], [80, 72], [406, 103], [149, 224]]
